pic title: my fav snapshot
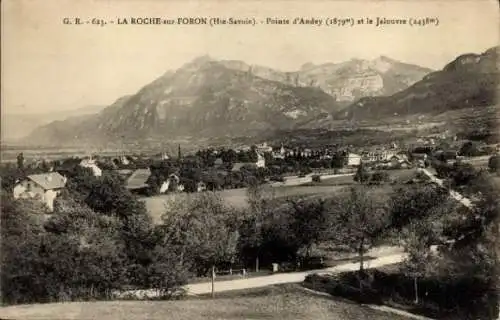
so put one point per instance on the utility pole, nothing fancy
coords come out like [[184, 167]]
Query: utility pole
[[213, 281]]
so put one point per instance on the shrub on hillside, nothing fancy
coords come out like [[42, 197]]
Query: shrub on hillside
[[379, 177], [494, 163], [362, 175]]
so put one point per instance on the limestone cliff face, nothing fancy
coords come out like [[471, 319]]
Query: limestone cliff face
[[361, 85], [355, 79], [347, 81]]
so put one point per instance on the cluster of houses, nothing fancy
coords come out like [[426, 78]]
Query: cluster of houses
[[282, 151], [47, 186], [379, 159]]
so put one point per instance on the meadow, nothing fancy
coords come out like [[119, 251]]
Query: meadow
[[274, 302], [237, 198]]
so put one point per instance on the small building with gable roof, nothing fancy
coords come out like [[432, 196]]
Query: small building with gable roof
[[44, 187]]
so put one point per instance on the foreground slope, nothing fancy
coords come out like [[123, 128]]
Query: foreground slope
[[277, 302]]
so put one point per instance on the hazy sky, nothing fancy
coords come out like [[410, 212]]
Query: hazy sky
[[47, 65]]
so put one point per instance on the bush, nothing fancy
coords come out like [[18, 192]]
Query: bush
[[469, 149], [494, 163], [361, 176], [421, 176], [380, 176], [463, 174], [316, 178], [346, 286]]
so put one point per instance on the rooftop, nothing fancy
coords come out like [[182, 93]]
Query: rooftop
[[48, 181]]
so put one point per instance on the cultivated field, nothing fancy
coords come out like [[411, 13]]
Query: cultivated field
[[237, 198], [288, 302]]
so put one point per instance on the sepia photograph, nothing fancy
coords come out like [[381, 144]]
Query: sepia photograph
[[291, 160]]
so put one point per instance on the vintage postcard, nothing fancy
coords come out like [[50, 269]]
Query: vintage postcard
[[249, 159]]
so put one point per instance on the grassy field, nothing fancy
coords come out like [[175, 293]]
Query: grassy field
[[335, 181], [274, 302], [238, 197], [399, 175]]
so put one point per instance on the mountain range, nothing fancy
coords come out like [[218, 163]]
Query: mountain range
[[471, 80], [347, 81], [209, 98]]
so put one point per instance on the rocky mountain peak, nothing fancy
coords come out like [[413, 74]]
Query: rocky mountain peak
[[197, 63]]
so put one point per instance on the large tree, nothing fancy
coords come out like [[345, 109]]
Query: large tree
[[419, 237], [310, 223], [414, 202], [362, 175], [359, 221], [202, 231], [21, 232], [253, 228]]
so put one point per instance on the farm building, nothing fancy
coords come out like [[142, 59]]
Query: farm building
[[44, 187]]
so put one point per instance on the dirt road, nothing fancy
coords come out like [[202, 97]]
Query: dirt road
[[383, 256], [455, 195]]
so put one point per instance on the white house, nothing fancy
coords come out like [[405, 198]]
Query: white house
[[282, 150], [264, 147], [261, 161], [281, 154], [90, 163], [44, 187], [124, 160], [353, 159], [173, 178], [164, 156], [278, 155]]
